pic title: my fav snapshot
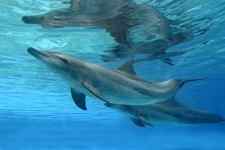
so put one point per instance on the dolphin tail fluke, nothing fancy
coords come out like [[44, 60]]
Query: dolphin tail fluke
[[184, 82]]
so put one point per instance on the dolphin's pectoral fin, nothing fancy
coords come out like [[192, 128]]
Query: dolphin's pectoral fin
[[128, 67], [138, 122], [79, 99]]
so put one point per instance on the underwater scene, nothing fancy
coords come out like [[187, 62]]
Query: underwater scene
[[112, 75]]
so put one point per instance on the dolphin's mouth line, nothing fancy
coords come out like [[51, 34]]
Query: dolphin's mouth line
[[36, 53]]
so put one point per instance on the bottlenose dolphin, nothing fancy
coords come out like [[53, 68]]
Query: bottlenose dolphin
[[167, 112], [137, 28], [113, 86], [87, 13]]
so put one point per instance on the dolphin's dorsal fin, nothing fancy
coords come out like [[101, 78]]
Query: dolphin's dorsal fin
[[128, 70], [128, 67], [79, 99], [119, 34], [118, 26]]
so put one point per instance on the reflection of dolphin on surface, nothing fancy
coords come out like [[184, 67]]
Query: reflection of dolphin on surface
[[87, 13], [137, 28], [151, 34], [170, 111], [117, 87]]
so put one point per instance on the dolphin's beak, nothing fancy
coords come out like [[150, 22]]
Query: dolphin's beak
[[36, 53], [32, 19]]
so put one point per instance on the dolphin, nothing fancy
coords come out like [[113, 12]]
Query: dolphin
[[167, 112], [113, 86], [137, 28], [87, 13]]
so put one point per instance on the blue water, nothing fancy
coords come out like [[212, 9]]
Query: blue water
[[36, 109]]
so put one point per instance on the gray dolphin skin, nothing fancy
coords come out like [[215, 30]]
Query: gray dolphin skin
[[137, 28], [113, 86], [170, 111], [87, 13], [148, 32]]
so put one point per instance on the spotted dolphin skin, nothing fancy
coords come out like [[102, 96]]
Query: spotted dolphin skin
[[167, 112], [113, 86]]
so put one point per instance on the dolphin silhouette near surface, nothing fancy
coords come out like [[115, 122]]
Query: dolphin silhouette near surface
[[151, 34], [137, 28], [112, 86], [167, 112], [87, 13]]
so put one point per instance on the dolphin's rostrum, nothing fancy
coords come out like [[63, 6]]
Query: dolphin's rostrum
[[117, 87]]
